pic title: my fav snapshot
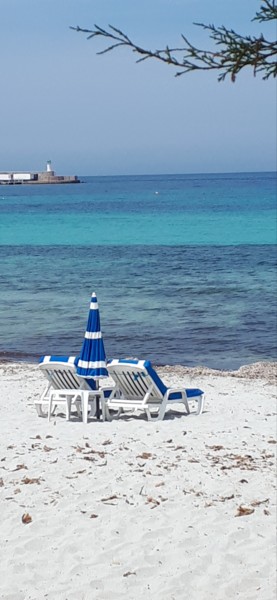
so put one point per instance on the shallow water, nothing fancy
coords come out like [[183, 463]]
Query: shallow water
[[184, 268]]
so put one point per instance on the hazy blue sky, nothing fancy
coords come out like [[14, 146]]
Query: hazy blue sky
[[105, 115]]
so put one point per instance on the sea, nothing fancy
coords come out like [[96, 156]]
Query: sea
[[183, 266]]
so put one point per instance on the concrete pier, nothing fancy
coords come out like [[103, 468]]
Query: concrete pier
[[45, 177]]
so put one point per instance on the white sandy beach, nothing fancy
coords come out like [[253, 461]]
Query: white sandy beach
[[129, 509]]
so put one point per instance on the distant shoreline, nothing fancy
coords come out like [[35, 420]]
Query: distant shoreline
[[258, 370]]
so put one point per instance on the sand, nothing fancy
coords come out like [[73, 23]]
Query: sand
[[183, 508]]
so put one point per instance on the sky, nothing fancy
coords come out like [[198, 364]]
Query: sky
[[108, 115]]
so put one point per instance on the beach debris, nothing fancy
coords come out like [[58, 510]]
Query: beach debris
[[93, 516], [145, 455], [215, 447], [18, 467], [28, 480], [90, 458], [100, 453], [128, 501], [47, 448], [106, 442], [109, 498], [129, 573], [235, 461], [1, 482], [258, 502], [243, 481], [26, 518], [152, 501], [244, 510], [224, 498], [266, 512], [265, 455], [272, 441]]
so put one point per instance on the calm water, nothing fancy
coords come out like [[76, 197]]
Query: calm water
[[184, 267]]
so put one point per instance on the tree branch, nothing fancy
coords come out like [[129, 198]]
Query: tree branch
[[234, 52]]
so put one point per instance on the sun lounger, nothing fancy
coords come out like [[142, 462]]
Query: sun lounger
[[138, 387], [65, 387]]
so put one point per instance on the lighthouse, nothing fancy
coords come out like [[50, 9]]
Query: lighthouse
[[49, 169]]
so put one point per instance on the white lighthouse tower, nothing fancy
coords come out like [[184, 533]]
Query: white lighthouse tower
[[49, 169]]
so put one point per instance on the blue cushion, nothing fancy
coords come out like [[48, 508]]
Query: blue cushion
[[63, 359], [124, 361], [160, 385], [191, 393]]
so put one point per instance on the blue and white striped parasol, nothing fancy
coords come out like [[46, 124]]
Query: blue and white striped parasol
[[92, 360]]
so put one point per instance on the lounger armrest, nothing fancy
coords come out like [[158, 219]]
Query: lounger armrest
[[107, 392], [189, 393], [175, 393]]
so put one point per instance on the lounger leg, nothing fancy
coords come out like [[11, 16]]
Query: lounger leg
[[84, 404], [40, 411], [186, 405], [160, 414], [105, 411], [68, 407], [79, 412], [43, 403], [92, 411], [200, 404], [51, 398]]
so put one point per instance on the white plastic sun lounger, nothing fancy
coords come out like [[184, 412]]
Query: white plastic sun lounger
[[138, 387], [65, 387]]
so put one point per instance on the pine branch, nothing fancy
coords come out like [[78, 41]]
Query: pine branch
[[233, 51]]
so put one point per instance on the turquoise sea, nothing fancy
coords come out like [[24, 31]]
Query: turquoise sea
[[184, 267]]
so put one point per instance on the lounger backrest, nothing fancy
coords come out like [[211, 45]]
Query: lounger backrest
[[61, 373], [135, 379]]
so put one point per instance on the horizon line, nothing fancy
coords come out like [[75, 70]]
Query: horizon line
[[181, 174]]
